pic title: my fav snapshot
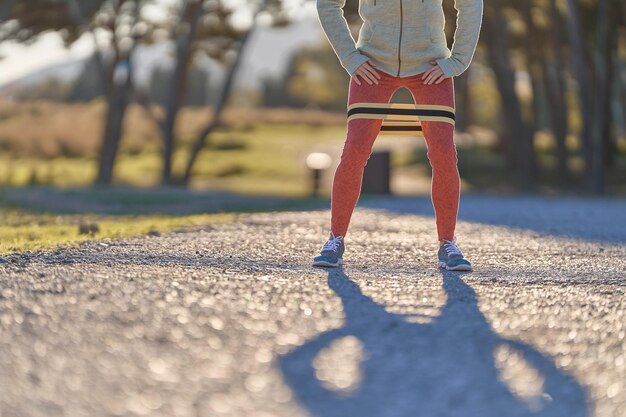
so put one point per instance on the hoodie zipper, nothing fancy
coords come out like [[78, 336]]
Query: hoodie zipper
[[400, 39]]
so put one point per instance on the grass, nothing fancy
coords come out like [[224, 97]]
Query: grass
[[21, 231], [264, 159], [37, 218]]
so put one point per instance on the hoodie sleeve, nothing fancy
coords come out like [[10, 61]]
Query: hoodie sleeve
[[469, 20], [335, 26]]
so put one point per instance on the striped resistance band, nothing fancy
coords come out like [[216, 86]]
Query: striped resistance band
[[401, 118]]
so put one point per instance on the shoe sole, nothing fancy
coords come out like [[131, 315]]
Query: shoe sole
[[327, 264], [455, 268]]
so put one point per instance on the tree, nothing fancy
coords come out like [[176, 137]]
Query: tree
[[197, 28], [124, 26]]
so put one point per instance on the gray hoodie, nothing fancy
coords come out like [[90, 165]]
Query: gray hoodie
[[402, 36]]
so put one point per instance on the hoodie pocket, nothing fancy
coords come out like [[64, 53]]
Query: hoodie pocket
[[381, 43]]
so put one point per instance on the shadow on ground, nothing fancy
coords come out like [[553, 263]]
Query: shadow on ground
[[445, 367], [593, 219]]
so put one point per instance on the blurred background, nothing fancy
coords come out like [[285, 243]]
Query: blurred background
[[190, 102]]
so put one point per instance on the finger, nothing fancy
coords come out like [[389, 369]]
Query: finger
[[371, 77], [376, 74], [441, 79], [427, 73], [365, 76], [356, 79], [433, 77], [371, 70]]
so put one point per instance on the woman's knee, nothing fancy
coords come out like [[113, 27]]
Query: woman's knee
[[356, 153], [443, 155]]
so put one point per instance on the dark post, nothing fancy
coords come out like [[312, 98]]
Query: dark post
[[377, 174], [316, 177]]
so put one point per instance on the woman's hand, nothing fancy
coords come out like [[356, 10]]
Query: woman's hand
[[434, 75], [367, 72]]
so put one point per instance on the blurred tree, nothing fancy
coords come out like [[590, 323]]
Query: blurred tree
[[197, 28], [197, 89], [606, 41], [126, 26], [88, 85], [274, 92], [184, 35], [123, 25], [518, 144], [553, 58], [314, 77], [582, 71]]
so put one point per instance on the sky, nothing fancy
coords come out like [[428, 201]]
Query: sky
[[18, 60]]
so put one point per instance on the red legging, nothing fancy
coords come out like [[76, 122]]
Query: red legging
[[362, 133]]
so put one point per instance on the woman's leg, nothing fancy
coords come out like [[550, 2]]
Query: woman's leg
[[442, 155], [360, 137]]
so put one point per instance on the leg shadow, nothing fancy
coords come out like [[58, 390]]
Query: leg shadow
[[446, 367]]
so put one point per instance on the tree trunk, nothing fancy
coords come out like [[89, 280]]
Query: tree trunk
[[118, 99], [612, 45], [176, 95], [117, 105], [620, 91], [112, 122], [218, 108], [495, 26], [533, 59], [555, 89], [601, 82], [579, 64]]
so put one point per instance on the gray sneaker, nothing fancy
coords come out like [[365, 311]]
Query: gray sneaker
[[331, 252], [451, 257]]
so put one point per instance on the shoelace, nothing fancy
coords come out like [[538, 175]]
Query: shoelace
[[451, 248], [332, 244]]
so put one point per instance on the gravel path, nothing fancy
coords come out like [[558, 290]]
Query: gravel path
[[230, 319]]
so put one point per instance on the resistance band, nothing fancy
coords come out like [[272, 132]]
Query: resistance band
[[401, 118]]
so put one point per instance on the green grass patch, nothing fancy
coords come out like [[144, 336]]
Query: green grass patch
[[33, 218], [268, 159], [22, 231]]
